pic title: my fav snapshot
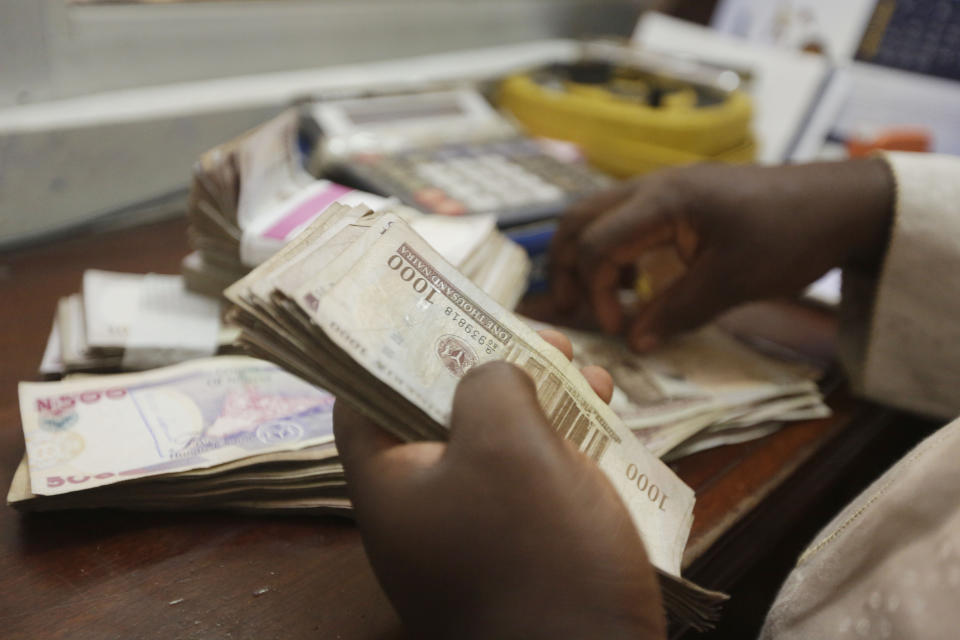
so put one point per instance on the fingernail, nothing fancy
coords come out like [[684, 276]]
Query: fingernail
[[646, 342]]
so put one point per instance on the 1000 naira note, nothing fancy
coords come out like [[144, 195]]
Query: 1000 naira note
[[386, 323], [418, 326], [365, 307], [97, 431]]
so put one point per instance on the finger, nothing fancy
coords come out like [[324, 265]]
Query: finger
[[558, 340], [377, 465], [563, 247], [599, 378], [358, 437], [600, 381], [495, 409], [690, 302], [362, 443], [612, 243]]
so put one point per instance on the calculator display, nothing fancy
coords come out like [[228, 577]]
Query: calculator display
[[385, 112], [405, 120]]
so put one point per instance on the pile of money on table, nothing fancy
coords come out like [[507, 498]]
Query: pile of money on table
[[132, 321], [700, 390], [382, 306], [228, 432]]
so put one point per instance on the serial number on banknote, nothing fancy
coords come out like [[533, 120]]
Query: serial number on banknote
[[471, 330]]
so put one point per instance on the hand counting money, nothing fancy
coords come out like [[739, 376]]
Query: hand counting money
[[363, 306]]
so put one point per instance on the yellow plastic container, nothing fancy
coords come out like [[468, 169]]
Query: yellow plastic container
[[624, 136]]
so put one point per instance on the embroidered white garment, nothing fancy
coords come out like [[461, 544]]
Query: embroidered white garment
[[888, 566]]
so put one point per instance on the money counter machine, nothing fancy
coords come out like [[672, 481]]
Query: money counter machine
[[527, 145]]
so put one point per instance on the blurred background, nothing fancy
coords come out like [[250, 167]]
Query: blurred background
[[104, 105]]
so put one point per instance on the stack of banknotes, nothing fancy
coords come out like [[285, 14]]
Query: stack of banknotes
[[132, 321], [365, 304], [251, 196], [706, 378], [365, 307], [701, 390], [228, 432]]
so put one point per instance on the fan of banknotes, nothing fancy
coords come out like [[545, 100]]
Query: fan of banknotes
[[132, 321], [251, 196]]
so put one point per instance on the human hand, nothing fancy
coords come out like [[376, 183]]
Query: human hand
[[504, 531], [741, 232]]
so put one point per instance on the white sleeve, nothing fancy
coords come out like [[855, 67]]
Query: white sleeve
[[900, 332]]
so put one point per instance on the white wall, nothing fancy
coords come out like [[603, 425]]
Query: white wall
[[64, 162], [52, 49], [103, 107]]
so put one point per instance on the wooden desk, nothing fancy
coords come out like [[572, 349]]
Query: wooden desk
[[111, 574]]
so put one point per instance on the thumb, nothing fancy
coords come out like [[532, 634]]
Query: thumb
[[378, 467], [495, 410], [693, 300]]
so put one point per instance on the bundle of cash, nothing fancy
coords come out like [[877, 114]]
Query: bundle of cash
[[132, 321], [252, 195], [218, 433], [701, 390], [365, 307], [249, 195]]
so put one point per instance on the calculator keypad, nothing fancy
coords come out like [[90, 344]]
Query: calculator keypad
[[513, 178]]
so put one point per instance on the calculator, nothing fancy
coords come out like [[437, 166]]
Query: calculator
[[451, 153], [517, 179]]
